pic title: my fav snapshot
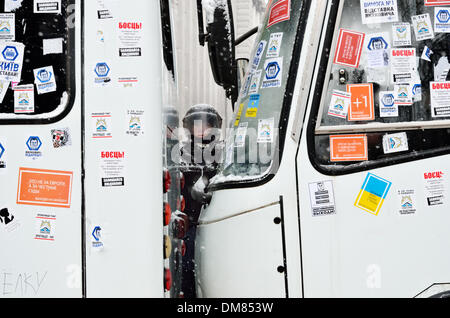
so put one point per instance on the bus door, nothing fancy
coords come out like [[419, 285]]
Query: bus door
[[40, 149], [123, 124], [248, 237], [373, 171]]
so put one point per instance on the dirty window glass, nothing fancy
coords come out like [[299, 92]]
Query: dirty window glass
[[251, 147], [36, 60], [390, 65], [383, 94]]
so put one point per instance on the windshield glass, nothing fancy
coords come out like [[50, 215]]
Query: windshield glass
[[254, 138]]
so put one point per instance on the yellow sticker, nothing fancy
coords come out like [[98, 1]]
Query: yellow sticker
[[239, 115], [251, 113]]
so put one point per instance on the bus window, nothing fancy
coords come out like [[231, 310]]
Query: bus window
[[382, 94], [37, 78], [255, 141]]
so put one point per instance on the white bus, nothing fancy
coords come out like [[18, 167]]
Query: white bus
[[83, 212], [349, 101]]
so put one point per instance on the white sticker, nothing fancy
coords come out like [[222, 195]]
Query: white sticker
[[339, 105], [266, 129], [112, 167], [135, 123], [61, 138], [435, 188], [322, 198], [255, 82], [426, 54], [442, 20], [33, 148], [245, 88], [130, 39], [377, 46], [422, 27], [403, 95], [388, 108], [403, 65], [401, 34], [3, 154], [273, 72], [379, 11], [102, 73], [47, 6], [441, 69], [11, 61], [96, 238], [106, 9], [45, 229], [377, 41], [52, 46], [229, 152], [7, 27], [258, 56], [128, 81], [8, 219], [440, 99], [274, 47], [377, 58], [416, 91], [394, 143], [101, 125], [44, 78], [3, 89], [12, 5], [406, 201], [241, 134], [24, 99]]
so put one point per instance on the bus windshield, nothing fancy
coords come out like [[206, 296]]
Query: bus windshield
[[256, 135]]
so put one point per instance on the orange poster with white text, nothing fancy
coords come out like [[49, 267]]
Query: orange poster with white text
[[362, 107], [348, 148], [44, 188]]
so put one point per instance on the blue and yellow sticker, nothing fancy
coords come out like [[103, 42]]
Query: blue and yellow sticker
[[253, 105], [372, 194]]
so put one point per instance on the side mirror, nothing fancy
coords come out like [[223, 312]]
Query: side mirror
[[220, 39]]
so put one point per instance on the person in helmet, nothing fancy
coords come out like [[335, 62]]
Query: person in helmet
[[201, 156]]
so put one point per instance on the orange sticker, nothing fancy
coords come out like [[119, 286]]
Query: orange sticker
[[44, 188], [362, 102], [348, 148]]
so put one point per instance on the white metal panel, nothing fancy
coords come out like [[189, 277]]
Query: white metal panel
[[31, 268], [242, 265], [357, 254], [131, 262]]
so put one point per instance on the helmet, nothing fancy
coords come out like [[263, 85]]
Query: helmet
[[207, 114], [171, 117]]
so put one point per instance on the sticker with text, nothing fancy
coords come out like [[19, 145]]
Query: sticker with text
[[349, 48], [346, 148], [373, 194]]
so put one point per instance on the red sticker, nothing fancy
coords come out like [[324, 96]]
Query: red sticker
[[436, 2], [280, 12], [349, 48]]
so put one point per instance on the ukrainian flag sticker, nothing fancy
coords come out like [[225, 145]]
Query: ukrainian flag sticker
[[372, 194]]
